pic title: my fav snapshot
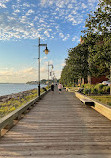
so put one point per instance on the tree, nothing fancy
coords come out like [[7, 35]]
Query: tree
[[76, 65], [98, 36]]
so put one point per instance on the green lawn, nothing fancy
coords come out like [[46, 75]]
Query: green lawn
[[106, 99]]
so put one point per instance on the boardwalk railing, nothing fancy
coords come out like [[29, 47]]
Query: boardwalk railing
[[7, 122]]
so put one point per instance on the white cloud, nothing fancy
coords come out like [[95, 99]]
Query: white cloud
[[42, 60], [28, 71], [29, 12], [23, 75], [72, 19], [70, 6], [60, 4], [73, 12], [44, 57], [47, 33], [63, 64], [26, 5], [43, 69], [75, 38], [41, 20], [17, 11], [43, 2], [90, 1], [32, 22], [65, 38], [3, 3], [84, 6], [61, 35], [58, 73]]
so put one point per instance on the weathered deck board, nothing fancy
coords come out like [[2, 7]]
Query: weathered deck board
[[59, 126]]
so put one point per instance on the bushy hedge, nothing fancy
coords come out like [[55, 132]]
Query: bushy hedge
[[94, 89]]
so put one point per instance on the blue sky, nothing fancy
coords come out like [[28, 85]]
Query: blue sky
[[57, 22]]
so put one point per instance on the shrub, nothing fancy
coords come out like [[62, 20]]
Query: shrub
[[89, 86], [82, 85], [109, 103], [99, 86], [80, 90], [106, 89], [94, 89], [86, 91], [100, 91]]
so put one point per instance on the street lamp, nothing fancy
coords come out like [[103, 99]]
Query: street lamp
[[46, 52], [53, 76], [48, 72]]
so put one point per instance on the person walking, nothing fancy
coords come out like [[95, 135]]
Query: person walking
[[52, 88], [60, 87]]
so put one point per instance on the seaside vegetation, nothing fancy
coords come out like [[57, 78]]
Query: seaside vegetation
[[14, 103]]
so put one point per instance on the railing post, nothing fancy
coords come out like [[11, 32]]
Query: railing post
[[39, 67]]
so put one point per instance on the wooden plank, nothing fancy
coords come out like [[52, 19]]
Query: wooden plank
[[8, 121], [59, 127]]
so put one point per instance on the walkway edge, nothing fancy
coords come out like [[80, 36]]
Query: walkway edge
[[101, 108], [7, 122]]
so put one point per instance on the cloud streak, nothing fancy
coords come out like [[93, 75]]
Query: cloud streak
[[48, 19]]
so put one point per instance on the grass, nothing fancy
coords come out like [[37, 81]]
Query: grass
[[13, 104], [105, 99]]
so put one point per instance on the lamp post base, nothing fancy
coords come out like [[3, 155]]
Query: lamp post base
[[39, 90]]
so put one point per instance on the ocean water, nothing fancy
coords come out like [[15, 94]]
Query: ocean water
[[6, 89]]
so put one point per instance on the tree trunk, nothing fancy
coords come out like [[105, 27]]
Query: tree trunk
[[89, 79], [79, 82], [83, 80]]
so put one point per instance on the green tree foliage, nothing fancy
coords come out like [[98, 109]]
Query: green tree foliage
[[98, 37], [93, 56], [78, 57], [76, 65]]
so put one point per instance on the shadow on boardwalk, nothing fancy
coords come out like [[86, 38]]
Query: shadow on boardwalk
[[59, 126]]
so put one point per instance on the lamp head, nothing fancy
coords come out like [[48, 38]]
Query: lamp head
[[46, 51]]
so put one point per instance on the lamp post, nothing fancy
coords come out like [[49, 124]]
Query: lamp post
[[48, 72], [53, 76], [46, 52]]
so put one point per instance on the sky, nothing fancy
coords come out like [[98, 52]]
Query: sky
[[58, 23]]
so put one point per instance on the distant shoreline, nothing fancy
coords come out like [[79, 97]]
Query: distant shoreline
[[11, 88], [12, 83]]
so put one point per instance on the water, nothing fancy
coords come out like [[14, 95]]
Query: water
[[6, 89]]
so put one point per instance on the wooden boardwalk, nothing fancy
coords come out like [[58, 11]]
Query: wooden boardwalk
[[59, 126]]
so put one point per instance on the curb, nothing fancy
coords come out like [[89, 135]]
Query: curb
[[103, 109]]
